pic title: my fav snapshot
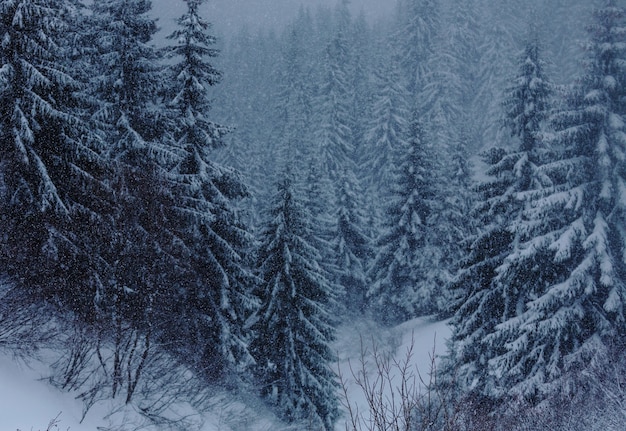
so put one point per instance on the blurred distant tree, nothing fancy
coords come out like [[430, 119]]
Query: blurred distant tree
[[401, 274]]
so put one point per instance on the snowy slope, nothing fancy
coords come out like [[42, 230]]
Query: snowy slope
[[28, 402]]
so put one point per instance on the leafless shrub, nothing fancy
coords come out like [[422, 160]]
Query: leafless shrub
[[71, 369], [129, 366], [398, 396], [53, 424], [25, 325]]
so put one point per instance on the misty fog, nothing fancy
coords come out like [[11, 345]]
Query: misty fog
[[227, 16]]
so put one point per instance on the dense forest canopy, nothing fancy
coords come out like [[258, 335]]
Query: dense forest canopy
[[227, 203]]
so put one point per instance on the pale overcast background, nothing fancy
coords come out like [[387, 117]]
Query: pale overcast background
[[228, 16]]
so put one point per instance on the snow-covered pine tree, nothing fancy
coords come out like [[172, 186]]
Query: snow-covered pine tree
[[401, 282], [147, 263], [418, 23], [53, 199], [457, 60], [294, 327], [362, 42], [571, 262], [460, 41], [217, 298], [527, 100], [245, 102], [488, 297], [387, 128], [129, 79], [292, 141], [337, 110], [332, 125], [293, 125], [496, 42], [445, 101], [459, 198], [352, 247], [333, 105], [315, 197]]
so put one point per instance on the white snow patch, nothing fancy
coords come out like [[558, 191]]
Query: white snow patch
[[27, 402]]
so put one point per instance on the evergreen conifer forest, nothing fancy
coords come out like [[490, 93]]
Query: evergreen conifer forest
[[209, 210]]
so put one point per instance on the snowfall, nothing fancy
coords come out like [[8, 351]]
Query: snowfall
[[29, 403]]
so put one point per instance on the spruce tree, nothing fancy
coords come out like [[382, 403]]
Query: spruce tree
[[129, 81], [418, 27], [333, 104], [352, 247], [570, 263], [400, 276], [217, 299], [54, 201], [362, 66], [146, 263], [294, 100], [388, 125], [496, 42], [487, 299], [294, 326], [251, 61]]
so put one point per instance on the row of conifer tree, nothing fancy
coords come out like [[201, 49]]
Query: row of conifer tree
[[115, 209], [527, 257]]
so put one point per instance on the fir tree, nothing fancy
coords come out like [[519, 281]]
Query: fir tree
[[352, 247], [496, 41], [129, 80], [147, 264], [460, 55], [401, 286], [418, 26], [388, 125], [252, 63], [294, 101], [361, 84], [294, 327], [334, 102]]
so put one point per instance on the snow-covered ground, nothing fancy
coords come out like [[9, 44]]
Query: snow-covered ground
[[416, 344], [28, 402]]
